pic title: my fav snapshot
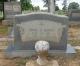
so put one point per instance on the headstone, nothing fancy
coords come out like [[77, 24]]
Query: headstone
[[11, 8], [33, 27], [74, 15]]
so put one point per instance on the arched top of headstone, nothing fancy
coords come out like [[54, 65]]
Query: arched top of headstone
[[40, 16], [43, 26]]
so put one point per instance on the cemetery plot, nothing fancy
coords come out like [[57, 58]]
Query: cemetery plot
[[34, 27]]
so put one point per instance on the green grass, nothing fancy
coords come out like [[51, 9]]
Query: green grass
[[1, 15], [60, 12]]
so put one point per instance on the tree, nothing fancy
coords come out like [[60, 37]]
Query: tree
[[64, 8], [50, 4], [46, 2], [6, 0], [73, 5], [56, 8], [26, 5], [2, 4], [64, 5], [3, 0], [36, 8], [53, 5]]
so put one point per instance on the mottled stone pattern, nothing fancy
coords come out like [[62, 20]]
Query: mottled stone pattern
[[41, 46], [38, 26], [49, 31], [42, 26]]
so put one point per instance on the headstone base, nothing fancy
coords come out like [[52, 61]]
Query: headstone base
[[10, 53]]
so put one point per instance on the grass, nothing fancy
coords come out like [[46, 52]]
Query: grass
[[3, 30], [1, 15], [74, 42], [60, 12]]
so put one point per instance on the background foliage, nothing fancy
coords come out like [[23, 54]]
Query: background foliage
[[26, 5], [73, 5]]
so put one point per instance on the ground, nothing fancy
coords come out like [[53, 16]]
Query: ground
[[63, 61], [3, 31]]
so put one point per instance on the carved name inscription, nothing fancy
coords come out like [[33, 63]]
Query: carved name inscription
[[41, 30]]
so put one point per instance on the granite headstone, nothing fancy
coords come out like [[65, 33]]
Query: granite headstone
[[29, 28], [74, 15], [11, 8]]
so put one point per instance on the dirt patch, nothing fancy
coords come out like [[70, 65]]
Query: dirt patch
[[3, 30], [4, 62], [63, 61]]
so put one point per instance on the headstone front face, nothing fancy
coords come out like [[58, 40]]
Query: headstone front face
[[33, 27], [74, 15], [42, 26], [41, 30], [11, 8]]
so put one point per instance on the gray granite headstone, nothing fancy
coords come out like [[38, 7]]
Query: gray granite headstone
[[29, 28], [74, 15], [11, 8]]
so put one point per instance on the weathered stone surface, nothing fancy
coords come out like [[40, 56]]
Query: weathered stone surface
[[74, 15], [11, 8], [42, 26], [39, 26]]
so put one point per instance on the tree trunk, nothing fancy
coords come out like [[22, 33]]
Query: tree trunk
[[51, 6]]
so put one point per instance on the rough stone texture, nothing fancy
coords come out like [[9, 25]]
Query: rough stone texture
[[39, 30], [62, 44], [41, 46]]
